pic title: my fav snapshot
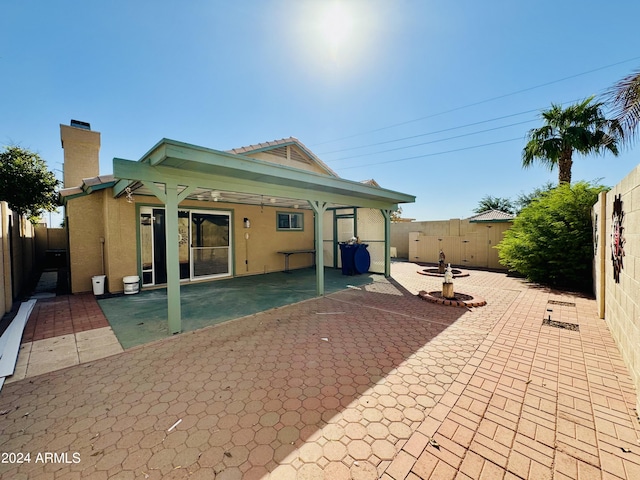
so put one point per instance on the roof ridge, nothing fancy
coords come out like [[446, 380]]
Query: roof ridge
[[284, 142]]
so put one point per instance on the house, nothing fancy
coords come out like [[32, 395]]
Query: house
[[185, 213]]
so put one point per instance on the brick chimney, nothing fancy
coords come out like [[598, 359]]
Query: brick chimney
[[81, 152]]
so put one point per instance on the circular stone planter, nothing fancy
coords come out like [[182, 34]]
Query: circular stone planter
[[460, 299], [433, 272]]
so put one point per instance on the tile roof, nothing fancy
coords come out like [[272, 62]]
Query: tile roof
[[492, 216], [92, 182]]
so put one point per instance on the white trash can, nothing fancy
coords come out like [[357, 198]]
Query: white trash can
[[98, 284], [131, 284]]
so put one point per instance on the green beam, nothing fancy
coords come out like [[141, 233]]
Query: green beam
[[184, 156], [319, 208], [162, 196], [160, 174], [185, 193], [120, 187]]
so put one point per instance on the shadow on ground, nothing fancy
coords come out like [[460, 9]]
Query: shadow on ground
[[271, 391]]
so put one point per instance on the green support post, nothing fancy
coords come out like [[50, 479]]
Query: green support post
[[319, 208], [173, 260], [387, 242]]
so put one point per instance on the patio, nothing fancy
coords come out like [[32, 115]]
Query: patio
[[142, 318], [368, 382]]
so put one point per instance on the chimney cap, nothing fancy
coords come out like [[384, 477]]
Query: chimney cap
[[79, 124]]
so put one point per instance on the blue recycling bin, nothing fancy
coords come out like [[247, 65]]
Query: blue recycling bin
[[361, 258], [355, 258]]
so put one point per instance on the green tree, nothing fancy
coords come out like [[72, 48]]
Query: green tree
[[624, 98], [550, 241], [582, 128], [525, 199], [489, 202], [26, 184]]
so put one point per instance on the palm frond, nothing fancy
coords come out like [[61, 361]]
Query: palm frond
[[624, 98]]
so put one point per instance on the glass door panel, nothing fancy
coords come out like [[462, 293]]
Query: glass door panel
[[183, 244], [210, 247], [146, 247]]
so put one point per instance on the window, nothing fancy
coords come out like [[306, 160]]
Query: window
[[289, 221]]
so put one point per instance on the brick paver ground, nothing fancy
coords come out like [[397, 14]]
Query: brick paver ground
[[367, 383], [63, 315]]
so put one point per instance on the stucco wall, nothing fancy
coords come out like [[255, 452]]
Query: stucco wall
[[463, 242], [622, 298], [99, 215], [120, 240], [81, 154], [85, 221], [17, 256]]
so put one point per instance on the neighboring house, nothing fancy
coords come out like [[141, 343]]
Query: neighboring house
[[491, 216], [184, 213]]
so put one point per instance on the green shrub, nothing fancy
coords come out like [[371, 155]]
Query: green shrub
[[551, 240]]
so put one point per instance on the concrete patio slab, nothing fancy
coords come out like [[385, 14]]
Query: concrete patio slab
[[56, 353], [370, 382]]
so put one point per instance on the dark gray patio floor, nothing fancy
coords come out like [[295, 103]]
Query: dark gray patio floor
[[142, 318]]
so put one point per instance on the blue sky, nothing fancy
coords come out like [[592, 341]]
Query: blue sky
[[349, 79]]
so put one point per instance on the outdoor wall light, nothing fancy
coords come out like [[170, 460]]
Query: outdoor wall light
[[247, 223]]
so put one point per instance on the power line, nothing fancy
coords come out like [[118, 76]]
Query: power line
[[440, 131], [433, 141], [479, 102], [430, 154], [430, 133]]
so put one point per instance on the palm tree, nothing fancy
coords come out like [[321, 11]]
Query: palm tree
[[581, 127], [489, 202], [624, 98]]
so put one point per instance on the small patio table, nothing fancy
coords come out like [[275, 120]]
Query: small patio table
[[288, 253]]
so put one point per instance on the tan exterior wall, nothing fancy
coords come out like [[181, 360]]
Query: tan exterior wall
[[99, 215], [17, 256], [120, 254], [260, 250], [48, 239], [6, 298], [463, 242], [622, 299], [81, 154], [599, 220], [85, 221]]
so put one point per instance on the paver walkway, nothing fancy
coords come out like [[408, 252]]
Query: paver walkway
[[367, 383], [61, 332]]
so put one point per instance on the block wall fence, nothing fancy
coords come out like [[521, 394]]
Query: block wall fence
[[616, 272]]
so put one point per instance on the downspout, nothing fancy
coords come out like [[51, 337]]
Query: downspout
[[102, 254]]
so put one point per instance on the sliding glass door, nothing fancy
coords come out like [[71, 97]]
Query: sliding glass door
[[210, 247], [204, 245]]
